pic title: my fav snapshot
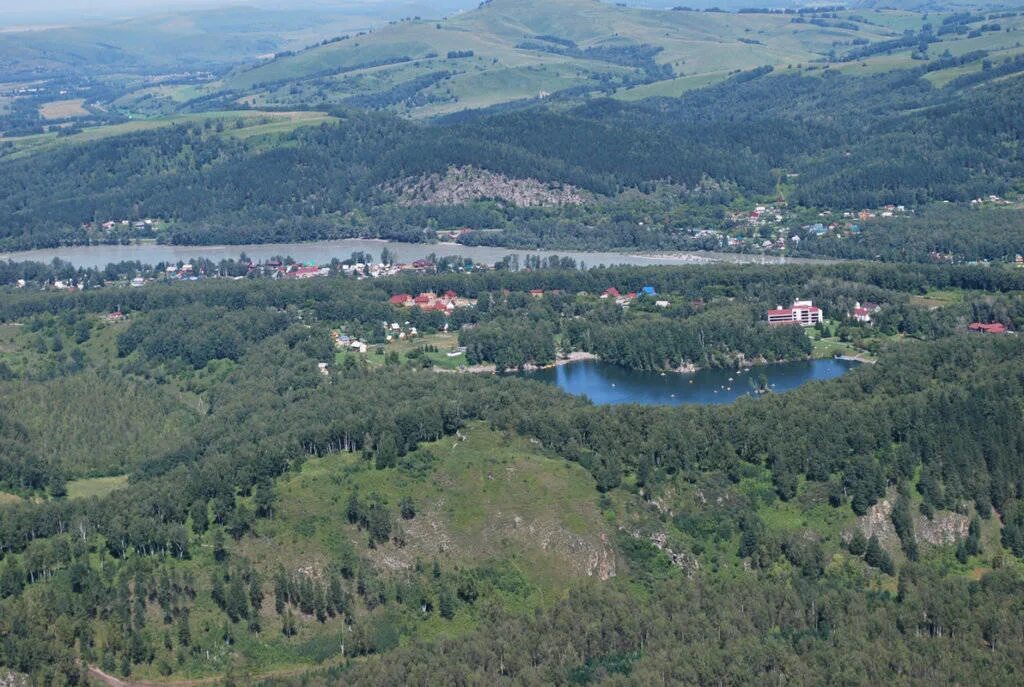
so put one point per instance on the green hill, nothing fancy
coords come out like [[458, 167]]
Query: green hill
[[523, 48], [480, 498], [509, 50]]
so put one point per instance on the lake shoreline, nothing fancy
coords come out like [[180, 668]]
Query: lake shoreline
[[605, 383]]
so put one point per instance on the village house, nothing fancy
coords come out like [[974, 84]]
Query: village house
[[804, 313], [993, 328], [401, 299], [428, 300], [346, 342], [861, 313]]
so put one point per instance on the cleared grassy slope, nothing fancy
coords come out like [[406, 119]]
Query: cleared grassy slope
[[480, 498], [508, 62]]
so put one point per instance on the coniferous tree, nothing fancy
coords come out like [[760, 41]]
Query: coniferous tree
[[858, 543], [877, 557]]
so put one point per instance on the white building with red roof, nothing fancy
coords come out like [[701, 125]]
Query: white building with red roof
[[861, 313], [803, 313]]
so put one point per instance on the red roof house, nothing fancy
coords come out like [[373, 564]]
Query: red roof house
[[803, 313], [611, 292], [994, 328], [401, 299]]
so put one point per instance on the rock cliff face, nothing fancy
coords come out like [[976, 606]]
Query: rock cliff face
[[460, 185], [944, 529], [877, 522], [583, 555]]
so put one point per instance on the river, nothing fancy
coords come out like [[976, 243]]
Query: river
[[321, 252], [607, 384]]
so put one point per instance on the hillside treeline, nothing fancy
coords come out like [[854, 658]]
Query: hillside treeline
[[919, 144]]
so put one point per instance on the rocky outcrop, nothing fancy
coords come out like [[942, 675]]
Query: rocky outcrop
[[877, 522], [460, 185], [428, 534], [11, 679], [585, 556], [686, 562], [943, 529]]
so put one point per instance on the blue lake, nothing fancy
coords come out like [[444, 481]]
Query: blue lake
[[605, 384]]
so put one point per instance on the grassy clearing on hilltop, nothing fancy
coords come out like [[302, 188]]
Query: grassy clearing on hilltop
[[95, 486], [62, 109], [481, 498]]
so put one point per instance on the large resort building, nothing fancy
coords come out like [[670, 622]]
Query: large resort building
[[803, 313]]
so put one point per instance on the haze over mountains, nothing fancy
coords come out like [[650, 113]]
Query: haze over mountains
[[14, 13]]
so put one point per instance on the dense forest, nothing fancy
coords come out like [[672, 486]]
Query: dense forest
[[164, 575], [656, 168]]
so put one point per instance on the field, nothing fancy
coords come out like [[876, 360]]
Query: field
[[939, 298], [254, 123], [96, 486], [64, 109], [830, 345], [439, 358], [672, 88]]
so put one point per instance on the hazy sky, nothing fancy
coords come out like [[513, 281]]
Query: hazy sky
[[72, 11]]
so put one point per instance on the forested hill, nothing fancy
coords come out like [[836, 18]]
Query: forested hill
[[208, 488], [832, 142]]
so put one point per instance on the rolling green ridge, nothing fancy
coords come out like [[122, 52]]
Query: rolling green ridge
[[649, 172], [505, 52], [522, 49]]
